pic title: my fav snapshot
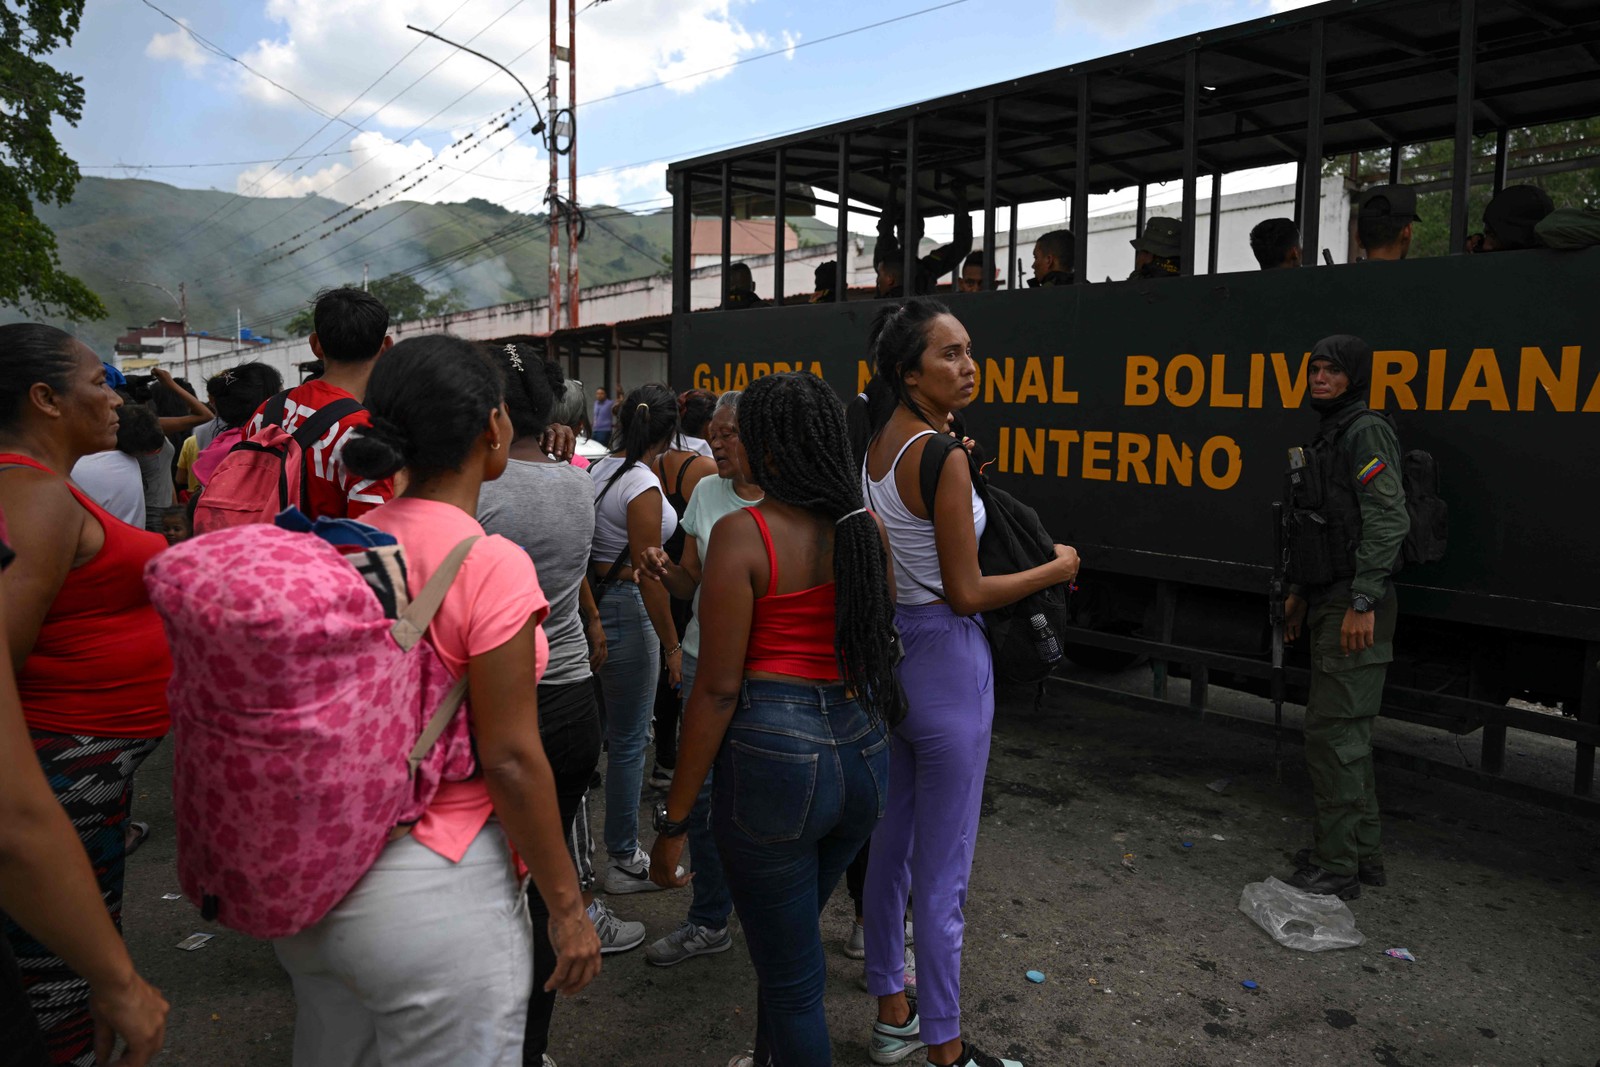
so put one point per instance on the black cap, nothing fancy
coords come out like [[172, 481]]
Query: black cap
[[1388, 201], [1162, 237], [1512, 215]]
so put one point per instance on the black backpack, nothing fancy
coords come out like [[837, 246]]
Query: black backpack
[[1025, 636]]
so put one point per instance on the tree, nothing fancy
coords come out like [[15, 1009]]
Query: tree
[[403, 295], [33, 166]]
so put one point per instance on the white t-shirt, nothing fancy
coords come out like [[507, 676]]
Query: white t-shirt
[[113, 480], [611, 507], [684, 443], [711, 500]]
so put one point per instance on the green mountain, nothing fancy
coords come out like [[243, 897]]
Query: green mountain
[[266, 258]]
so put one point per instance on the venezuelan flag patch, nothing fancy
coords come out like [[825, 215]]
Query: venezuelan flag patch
[[1371, 470]]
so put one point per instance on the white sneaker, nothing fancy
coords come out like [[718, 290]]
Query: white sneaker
[[630, 877], [686, 941], [660, 777], [616, 935], [856, 947]]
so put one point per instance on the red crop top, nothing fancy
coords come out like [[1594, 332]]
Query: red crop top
[[792, 633], [100, 664]]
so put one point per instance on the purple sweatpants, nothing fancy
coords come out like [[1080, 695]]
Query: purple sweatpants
[[937, 760]]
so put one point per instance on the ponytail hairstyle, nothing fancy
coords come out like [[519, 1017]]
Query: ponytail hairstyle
[[530, 385], [649, 419], [792, 426], [430, 399], [695, 409], [865, 415], [31, 352], [896, 341]]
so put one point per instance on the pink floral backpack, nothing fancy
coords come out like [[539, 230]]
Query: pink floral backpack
[[311, 721]]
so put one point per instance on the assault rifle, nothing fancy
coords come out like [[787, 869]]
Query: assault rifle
[[1275, 600]]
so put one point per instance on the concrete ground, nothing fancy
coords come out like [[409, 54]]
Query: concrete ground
[[1143, 961]]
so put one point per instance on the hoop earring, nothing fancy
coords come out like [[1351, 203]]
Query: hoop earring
[[494, 444]]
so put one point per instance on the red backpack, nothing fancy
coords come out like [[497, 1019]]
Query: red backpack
[[265, 473], [321, 726]]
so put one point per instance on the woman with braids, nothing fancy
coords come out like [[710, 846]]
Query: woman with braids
[[428, 961], [939, 754], [792, 699], [680, 468], [547, 507], [89, 651], [631, 515]]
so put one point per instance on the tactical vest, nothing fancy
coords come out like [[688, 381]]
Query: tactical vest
[[1325, 515]]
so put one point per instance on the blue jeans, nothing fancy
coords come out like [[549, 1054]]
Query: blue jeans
[[711, 904], [628, 679], [802, 778]]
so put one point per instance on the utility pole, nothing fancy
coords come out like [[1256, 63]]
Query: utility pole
[[183, 324], [364, 268], [554, 187], [572, 162]]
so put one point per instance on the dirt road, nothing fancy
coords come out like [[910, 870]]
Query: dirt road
[[1499, 902]]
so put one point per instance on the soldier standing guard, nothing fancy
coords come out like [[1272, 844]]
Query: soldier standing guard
[[1348, 524]]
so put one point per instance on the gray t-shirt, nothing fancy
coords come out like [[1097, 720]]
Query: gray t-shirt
[[159, 493], [711, 500], [548, 509]]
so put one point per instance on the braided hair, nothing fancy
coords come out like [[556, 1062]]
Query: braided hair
[[531, 385], [793, 429], [649, 418], [896, 341]]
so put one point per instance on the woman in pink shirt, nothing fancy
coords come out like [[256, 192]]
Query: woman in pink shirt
[[428, 961]]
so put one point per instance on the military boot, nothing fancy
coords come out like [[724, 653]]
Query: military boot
[[1314, 879], [1370, 873]]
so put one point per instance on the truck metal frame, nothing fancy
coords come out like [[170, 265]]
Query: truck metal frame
[[1148, 419]]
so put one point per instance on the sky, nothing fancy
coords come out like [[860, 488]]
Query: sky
[[347, 102]]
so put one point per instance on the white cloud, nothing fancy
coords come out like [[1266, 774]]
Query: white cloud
[[179, 46], [330, 53], [1290, 5], [1112, 19], [629, 185]]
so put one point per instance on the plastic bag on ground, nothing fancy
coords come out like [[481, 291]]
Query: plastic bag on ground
[[1300, 920]]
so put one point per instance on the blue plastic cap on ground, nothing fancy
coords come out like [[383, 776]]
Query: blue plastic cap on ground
[[1248, 984], [1188, 844], [1036, 977]]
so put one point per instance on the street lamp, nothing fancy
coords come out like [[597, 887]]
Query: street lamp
[[182, 300]]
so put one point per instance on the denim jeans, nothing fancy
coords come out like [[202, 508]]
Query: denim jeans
[[802, 778], [628, 679], [711, 904]]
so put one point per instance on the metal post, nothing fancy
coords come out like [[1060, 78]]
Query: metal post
[[1011, 251], [682, 230], [1501, 144], [553, 318], [1191, 164], [727, 226], [1216, 222], [572, 162], [1394, 164], [1461, 168], [1311, 166], [991, 154], [909, 245], [1299, 189], [1589, 712], [1080, 187], [780, 225], [1139, 212], [183, 316], [841, 271]]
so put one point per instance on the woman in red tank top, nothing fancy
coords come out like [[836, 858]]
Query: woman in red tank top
[[792, 699], [89, 651]]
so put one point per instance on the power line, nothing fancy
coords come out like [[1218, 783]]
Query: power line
[[219, 163], [776, 52]]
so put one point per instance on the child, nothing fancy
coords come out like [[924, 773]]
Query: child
[[175, 524]]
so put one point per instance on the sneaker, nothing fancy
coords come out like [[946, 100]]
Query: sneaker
[[616, 935], [686, 941], [660, 777], [547, 1061], [891, 1044], [973, 1056], [630, 877], [1368, 873], [746, 1058], [910, 974], [856, 947]]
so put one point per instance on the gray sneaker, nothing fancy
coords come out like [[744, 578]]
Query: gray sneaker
[[616, 935], [686, 941], [630, 877]]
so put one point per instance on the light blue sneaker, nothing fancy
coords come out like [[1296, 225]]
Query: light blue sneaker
[[891, 1044]]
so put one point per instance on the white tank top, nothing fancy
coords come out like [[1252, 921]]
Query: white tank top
[[917, 579]]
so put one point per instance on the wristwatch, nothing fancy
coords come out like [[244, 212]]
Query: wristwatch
[[1361, 603], [666, 827]]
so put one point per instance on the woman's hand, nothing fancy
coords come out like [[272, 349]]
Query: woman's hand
[[596, 633], [558, 442], [665, 870], [1067, 562], [675, 667], [135, 1011], [162, 375], [577, 952], [653, 564]]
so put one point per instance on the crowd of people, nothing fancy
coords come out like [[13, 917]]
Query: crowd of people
[[817, 680]]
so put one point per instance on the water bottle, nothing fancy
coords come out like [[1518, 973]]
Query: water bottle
[[1045, 639]]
